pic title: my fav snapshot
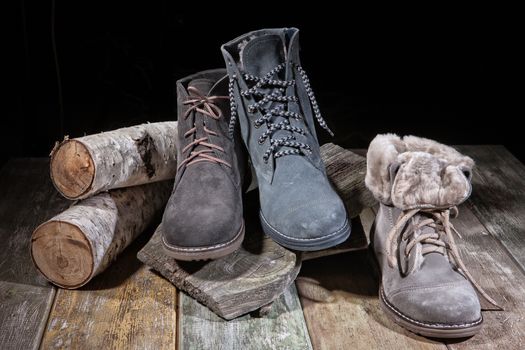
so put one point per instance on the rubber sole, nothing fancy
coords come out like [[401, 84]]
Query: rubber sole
[[307, 244], [205, 253], [428, 329]]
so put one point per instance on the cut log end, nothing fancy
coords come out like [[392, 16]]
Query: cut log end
[[62, 254], [72, 169]]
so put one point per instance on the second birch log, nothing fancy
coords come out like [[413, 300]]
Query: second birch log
[[81, 242], [84, 166]]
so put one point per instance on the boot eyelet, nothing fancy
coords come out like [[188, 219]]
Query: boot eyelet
[[257, 126], [261, 142]]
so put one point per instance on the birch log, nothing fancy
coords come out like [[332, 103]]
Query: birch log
[[76, 245], [84, 166]]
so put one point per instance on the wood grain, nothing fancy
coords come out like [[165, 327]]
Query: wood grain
[[23, 314], [341, 307], [127, 307], [499, 275], [346, 170], [136, 155], [498, 197], [282, 328], [81, 242], [249, 278], [27, 198]]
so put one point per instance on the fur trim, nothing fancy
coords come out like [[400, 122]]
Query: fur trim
[[414, 172]]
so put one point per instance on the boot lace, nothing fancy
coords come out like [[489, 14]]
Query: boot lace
[[440, 241], [206, 106], [277, 95]]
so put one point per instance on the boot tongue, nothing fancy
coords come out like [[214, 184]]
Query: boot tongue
[[262, 54], [202, 85], [415, 259], [259, 56]]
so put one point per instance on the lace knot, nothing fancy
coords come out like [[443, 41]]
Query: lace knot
[[440, 241]]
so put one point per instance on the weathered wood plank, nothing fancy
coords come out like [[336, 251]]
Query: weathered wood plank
[[27, 198], [126, 307], [498, 198], [23, 314], [341, 307], [346, 170], [282, 328], [251, 277], [500, 275]]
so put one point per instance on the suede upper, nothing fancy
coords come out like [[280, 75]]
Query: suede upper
[[298, 205], [205, 208], [434, 291]]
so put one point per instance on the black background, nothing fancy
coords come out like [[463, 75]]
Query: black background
[[443, 73]]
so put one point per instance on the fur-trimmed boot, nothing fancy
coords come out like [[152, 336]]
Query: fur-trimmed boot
[[425, 287]]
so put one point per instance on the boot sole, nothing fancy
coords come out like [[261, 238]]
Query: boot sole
[[205, 253], [307, 244], [432, 330]]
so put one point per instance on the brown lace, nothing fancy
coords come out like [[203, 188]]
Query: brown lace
[[206, 106], [435, 241]]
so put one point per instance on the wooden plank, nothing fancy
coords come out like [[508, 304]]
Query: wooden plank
[[495, 270], [23, 314], [346, 170], [341, 306], [282, 328], [27, 198], [126, 307], [498, 197], [249, 278]]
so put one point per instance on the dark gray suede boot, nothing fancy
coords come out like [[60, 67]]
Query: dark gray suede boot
[[272, 99], [203, 218], [425, 286]]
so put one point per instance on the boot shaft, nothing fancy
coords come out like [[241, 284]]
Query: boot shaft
[[272, 54], [203, 105]]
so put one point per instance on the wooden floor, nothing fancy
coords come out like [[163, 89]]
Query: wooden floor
[[333, 304]]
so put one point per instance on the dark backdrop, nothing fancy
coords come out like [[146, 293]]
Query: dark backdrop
[[443, 73]]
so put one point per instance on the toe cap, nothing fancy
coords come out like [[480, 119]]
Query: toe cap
[[451, 304]]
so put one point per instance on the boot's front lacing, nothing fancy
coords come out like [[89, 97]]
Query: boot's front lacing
[[278, 95], [440, 241], [206, 106]]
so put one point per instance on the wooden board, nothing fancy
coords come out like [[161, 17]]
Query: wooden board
[[500, 275], [282, 328], [23, 314], [346, 170], [27, 198], [341, 306], [251, 277], [126, 307], [499, 196]]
